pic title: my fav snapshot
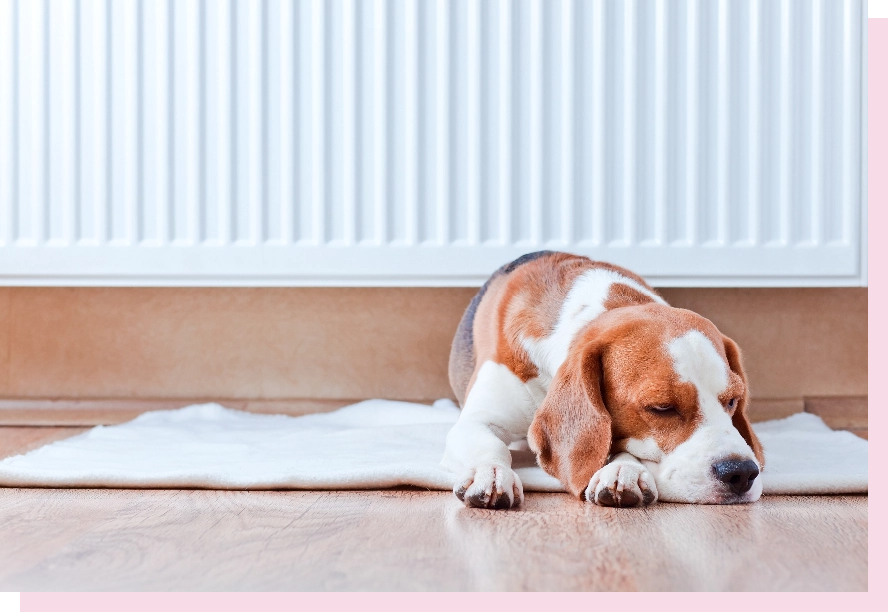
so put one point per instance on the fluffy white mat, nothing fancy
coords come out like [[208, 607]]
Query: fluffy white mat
[[373, 444]]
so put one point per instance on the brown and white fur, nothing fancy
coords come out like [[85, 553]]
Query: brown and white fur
[[622, 397]]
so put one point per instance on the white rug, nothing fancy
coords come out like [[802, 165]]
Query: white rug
[[370, 445]]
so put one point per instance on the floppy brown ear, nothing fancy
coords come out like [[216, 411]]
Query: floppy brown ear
[[740, 420], [571, 432]]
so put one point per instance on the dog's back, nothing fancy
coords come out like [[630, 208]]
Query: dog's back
[[523, 296], [462, 351]]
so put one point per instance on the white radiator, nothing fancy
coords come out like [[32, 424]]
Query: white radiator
[[404, 142]]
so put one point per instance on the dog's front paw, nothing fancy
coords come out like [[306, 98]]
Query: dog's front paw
[[622, 484], [490, 486]]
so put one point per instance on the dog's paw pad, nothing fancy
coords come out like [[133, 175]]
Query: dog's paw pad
[[647, 496], [622, 485], [495, 487]]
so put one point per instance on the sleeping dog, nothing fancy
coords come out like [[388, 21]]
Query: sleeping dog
[[623, 398]]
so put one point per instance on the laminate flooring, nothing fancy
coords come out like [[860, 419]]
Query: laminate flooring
[[409, 539]]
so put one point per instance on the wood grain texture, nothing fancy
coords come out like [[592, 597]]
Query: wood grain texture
[[418, 540]]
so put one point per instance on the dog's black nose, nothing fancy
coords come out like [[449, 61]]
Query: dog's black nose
[[738, 475]]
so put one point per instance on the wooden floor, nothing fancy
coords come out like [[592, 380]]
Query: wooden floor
[[82, 539], [407, 540]]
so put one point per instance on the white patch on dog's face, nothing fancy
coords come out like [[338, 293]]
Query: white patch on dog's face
[[686, 474]]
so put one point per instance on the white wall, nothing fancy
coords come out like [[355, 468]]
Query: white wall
[[386, 142]]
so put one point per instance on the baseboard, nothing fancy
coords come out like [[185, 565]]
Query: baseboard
[[88, 412], [849, 413], [846, 413]]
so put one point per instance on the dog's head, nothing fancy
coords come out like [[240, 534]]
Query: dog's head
[[663, 384]]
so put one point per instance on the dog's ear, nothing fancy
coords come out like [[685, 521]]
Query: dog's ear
[[571, 432], [740, 420]]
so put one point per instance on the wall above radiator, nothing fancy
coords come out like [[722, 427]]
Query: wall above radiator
[[421, 142]]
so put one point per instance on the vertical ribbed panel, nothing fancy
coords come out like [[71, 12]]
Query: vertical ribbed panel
[[8, 121], [642, 127]]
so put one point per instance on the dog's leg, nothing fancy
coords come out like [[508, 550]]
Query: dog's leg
[[498, 411], [622, 482]]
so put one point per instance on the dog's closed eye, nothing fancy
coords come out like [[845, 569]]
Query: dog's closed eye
[[664, 409]]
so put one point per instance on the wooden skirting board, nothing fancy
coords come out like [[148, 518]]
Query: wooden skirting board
[[88, 412], [849, 413]]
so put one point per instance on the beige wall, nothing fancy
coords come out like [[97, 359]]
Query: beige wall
[[274, 344]]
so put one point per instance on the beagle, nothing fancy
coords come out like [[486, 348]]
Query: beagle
[[623, 398]]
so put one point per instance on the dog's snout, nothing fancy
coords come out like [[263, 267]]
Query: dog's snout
[[737, 475]]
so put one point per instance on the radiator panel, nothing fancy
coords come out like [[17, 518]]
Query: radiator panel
[[425, 142]]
